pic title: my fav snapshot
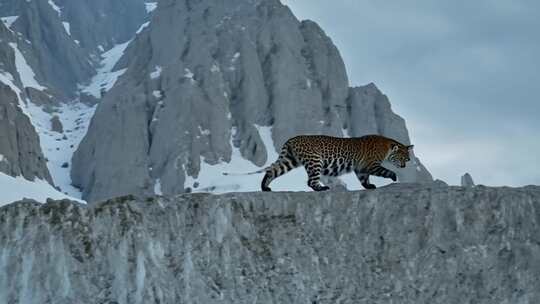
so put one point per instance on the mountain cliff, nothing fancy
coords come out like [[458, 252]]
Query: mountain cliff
[[403, 243], [211, 82], [20, 150], [51, 51], [65, 37]]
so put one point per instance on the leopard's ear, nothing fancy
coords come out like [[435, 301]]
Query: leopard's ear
[[394, 148], [410, 147]]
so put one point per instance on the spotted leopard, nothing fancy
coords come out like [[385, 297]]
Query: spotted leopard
[[334, 156]]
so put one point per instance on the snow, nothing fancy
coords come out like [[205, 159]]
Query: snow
[[214, 68], [345, 133], [205, 132], [7, 78], [143, 26], [57, 148], [188, 73], [157, 187], [2, 158], [150, 6], [16, 188], [55, 7], [67, 27], [106, 77], [157, 72], [157, 94], [211, 178], [75, 118], [8, 21], [26, 73]]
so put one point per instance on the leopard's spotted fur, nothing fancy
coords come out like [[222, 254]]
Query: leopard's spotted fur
[[333, 156]]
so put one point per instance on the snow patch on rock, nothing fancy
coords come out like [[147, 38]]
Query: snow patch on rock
[[106, 77], [8, 21], [27, 75], [59, 148], [157, 187], [157, 72], [55, 7], [20, 188], [143, 26], [150, 6], [67, 27]]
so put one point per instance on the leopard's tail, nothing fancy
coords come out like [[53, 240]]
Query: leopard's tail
[[247, 173]]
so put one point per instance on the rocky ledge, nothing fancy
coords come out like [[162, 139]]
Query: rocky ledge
[[403, 243]]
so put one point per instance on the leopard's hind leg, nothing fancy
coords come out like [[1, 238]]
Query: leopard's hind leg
[[313, 170], [285, 163]]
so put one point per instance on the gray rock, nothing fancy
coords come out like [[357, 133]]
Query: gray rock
[[20, 151], [439, 183], [102, 23], [45, 99], [371, 113], [467, 180], [56, 124], [62, 59], [227, 68], [56, 59], [60, 62], [399, 244]]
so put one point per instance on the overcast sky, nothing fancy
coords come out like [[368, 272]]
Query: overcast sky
[[464, 74]]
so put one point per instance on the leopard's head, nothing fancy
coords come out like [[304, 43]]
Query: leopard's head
[[399, 155]]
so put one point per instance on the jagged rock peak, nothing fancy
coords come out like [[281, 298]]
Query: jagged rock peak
[[204, 92], [467, 180]]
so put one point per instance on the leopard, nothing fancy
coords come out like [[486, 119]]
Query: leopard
[[322, 155]]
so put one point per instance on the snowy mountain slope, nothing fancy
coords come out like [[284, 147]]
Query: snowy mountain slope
[[17, 188], [74, 117], [190, 103], [44, 100], [58, 147]]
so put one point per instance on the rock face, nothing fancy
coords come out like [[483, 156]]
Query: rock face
[[227, 68], [20, 152], [467, 180], [399, 244], [63, 38], [47, 49], [56, 124]]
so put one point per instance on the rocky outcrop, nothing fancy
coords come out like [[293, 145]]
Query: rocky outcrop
[[48, 48], [20, 151], [56, 124], [194, 93], [371, 113], [62, 39], [101, 24], [467, 180], [58, 62], [399, 244]]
